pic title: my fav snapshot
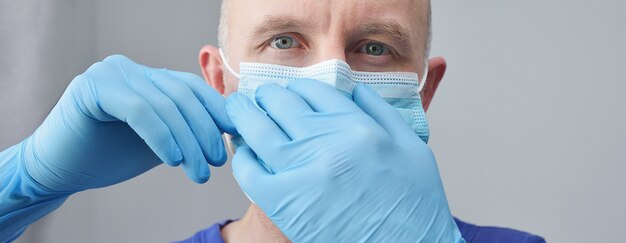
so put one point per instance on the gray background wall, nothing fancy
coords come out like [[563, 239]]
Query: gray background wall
[[528, 125]]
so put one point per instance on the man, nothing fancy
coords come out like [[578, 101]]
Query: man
[[321, 165], [369, 35]]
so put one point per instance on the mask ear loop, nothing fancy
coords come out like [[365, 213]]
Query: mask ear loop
[[423, 81], [230, 69]]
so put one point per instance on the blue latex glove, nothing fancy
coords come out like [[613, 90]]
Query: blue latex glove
[[325, 168], [114, 122]]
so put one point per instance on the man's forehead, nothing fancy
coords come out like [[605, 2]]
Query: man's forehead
[[323, 13], [308, 5]]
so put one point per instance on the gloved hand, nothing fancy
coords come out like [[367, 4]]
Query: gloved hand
[[114, 122], [120, 119], [325, 168]]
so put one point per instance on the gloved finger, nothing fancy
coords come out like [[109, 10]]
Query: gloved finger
[[256, 128], [119, 59], [383, 113], [321, 96], [286, 108], [194, 164], [212, 101], [253, 178], [139, 115], [198, 119]]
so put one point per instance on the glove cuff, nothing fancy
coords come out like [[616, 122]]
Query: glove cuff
[[34, 170], [23, 200]]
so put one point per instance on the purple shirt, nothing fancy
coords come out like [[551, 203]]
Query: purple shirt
[[471, 233]]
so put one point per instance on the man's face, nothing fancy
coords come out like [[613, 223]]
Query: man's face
[[370, 35]]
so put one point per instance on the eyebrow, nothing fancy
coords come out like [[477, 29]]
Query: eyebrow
[[279, 24], [384, 27]]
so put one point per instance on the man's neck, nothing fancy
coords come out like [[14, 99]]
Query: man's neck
[[255, 226]]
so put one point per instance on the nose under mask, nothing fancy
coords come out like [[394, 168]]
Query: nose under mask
[[400, 89]]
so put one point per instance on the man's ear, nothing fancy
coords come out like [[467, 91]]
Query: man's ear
[[211, 66], [436, 70]]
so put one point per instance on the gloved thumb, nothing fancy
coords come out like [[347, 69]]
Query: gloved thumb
[[212, 100]]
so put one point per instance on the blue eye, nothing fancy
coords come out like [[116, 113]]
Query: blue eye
[[375, 49], [282, 42]]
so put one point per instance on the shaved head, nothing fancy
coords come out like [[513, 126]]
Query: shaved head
[[222, 30]]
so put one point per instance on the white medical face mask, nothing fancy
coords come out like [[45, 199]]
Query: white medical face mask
[[400, 89]]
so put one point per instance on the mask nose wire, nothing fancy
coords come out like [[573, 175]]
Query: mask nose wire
[[230, 69]]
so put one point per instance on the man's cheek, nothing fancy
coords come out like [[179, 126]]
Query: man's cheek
[[230, 86]]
